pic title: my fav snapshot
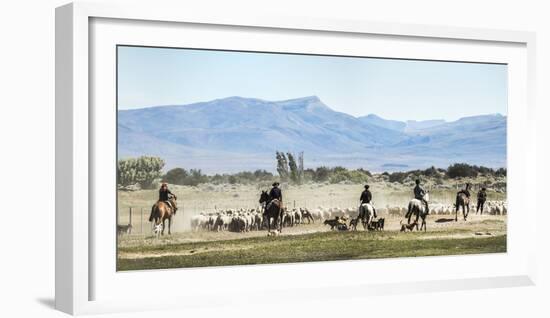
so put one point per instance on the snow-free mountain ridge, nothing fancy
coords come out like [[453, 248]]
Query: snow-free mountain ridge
[[237, 133]]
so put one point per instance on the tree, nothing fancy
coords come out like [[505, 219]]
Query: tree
[[294, 174], [195, 177], [430, 172], [176, 176], [458, 170], [321, 174], [282, 165], [501, 172], [143, 170], [398, 177]]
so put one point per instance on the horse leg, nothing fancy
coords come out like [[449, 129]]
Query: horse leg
[[163, 223], [423, 224], [456, 213], [467, 212], [169, 225]]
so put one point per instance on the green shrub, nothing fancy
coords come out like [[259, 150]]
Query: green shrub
[[143, 170], [176, 176], [461, 170]]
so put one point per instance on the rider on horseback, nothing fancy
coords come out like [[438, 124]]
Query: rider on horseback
[[419, 194], [274, 194], [366, 198], [166, 195]]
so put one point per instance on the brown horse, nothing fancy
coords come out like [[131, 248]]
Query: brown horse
[[160, 212], [463, 201]]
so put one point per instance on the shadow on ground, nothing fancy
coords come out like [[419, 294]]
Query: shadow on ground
[[444, 220]]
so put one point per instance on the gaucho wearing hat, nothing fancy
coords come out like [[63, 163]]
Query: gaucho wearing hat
[[275, 192]]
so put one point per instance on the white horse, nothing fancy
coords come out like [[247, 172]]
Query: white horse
[[418, 208], [365, 214]]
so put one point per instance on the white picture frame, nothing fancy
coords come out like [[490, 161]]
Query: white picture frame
[[77, 148]]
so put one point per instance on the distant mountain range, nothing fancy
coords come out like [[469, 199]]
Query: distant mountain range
[[235, 133]]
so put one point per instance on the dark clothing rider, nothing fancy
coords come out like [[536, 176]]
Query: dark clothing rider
[[166, 195], [366, 197], [419, 194], [274, 193], [481, 198]]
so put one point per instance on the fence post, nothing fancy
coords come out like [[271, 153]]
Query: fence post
[[130, 219]]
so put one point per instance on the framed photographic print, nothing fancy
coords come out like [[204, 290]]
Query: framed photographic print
[[200, 149]]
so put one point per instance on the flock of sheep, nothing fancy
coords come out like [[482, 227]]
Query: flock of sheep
[[244, 220]]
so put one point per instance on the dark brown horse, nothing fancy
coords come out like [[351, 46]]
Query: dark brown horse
[[272, 210], [162, 211], [463, 201]]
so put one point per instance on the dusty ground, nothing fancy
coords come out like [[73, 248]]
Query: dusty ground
[[439, 227], [302, 243], [209, 198]]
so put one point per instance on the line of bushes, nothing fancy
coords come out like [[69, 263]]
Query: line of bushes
[[454, 171], [146, 170], [195, 177]]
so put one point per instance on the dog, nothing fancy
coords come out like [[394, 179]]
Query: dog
[[157, 230], [333, 223], [373, 226], [380, 224], [124, 229], [273, 233], [342, 227], [377, 225], [409, 227]]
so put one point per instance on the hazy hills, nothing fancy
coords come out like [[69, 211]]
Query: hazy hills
[[236, 133]]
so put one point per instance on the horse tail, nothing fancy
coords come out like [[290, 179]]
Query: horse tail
[[457, 204], [151, 216]]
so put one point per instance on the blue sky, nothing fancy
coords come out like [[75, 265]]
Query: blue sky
[[393, 89]]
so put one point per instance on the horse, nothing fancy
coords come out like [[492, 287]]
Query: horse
[[463, 201], [418, 208], [272, 210], [366, 214], [160, 212]]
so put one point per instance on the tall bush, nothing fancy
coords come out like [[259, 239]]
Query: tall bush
[[143, 170]]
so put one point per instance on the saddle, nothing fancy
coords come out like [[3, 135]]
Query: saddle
[[274, 201]]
